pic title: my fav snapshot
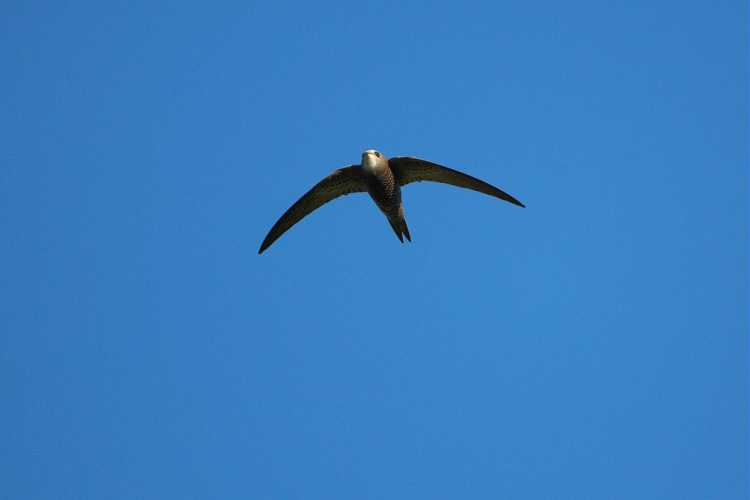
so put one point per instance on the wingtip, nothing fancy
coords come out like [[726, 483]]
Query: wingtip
[[510, 199]]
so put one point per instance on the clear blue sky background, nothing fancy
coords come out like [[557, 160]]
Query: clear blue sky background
[[592, 345]]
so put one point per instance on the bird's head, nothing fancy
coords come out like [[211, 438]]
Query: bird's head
[[371, 158]]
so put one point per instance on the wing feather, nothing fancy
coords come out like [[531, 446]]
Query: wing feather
[[407, 170], [343, 181]]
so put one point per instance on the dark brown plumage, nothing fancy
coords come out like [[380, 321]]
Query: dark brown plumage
[[382, 179]]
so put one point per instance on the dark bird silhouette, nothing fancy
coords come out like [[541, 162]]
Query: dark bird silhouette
[[382, 179]]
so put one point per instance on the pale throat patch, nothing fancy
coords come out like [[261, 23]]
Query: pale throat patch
[[369, 162]]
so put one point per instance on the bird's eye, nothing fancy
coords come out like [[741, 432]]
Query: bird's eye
[[377, 154]]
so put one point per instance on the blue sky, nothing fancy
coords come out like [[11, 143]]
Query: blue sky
[[591, 345]]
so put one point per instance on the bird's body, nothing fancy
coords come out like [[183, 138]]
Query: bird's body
[[384, 191], [382, 179]]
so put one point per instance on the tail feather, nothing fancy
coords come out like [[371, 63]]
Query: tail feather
[[399, 227]]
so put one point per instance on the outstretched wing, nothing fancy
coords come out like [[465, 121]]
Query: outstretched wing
[[407, 169], [341, 182]]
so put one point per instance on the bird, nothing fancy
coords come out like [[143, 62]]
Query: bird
[[382, 179]]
